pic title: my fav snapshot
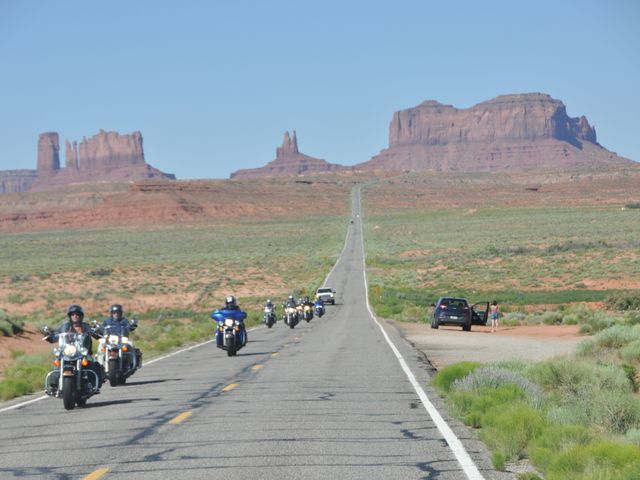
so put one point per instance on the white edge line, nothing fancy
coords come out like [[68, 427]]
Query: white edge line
[[22, 404], [464, 459], [18, 405]]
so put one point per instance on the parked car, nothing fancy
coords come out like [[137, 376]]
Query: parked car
[[456, 311], [327, 295]]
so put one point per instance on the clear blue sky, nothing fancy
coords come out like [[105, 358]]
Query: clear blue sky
[[213, 85]]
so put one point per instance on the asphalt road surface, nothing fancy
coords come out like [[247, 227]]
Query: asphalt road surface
[[330, 399]]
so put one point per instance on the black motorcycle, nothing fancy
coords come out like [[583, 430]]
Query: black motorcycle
[[74, 376]]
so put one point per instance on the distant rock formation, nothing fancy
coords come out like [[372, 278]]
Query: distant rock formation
[[107, 156], [289, 161], [508, 132], [16, 181]]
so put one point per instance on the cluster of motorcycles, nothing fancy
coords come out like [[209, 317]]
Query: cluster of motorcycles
[[230, 333], [76, 376], [294, 312]]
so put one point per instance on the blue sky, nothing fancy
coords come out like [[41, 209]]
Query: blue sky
[[213, 85]]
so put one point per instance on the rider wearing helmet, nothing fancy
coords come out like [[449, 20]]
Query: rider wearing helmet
[[75, 324], [118, 324], [232, 310], [291, 302]]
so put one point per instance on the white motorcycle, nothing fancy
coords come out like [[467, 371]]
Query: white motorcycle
[[117, 355], [269, 317]]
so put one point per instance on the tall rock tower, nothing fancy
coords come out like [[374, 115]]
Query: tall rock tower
[[48, 154]]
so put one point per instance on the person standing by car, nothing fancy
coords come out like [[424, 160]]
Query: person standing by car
[[494, 311]]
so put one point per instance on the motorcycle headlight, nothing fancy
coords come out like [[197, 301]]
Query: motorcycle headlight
[[228, 322], [125, 339], [84, 351], [70, 350], [56, 351], [113, 339]]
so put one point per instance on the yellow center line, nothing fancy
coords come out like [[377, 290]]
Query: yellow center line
[[275, 354], [183, 416], [96, 474], [257, 367], [229, 387]]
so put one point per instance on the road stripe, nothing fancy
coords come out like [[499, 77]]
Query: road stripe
[[229, 387], [96, 474], [275, 354], [464, 459], [18, 405], [257, 367], [180, 418]]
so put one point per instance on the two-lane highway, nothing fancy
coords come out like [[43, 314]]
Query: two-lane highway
[[335, 398]]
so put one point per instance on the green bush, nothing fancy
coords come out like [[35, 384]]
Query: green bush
[[509, 428], [598, 459], [446, 376], [624, 301], [555, 439], [25, 375]]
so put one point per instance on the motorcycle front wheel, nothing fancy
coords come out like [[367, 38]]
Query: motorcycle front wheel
[[69, 393], [113, 372]]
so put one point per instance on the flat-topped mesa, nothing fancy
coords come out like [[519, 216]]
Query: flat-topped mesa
[[289, 161], [508, 132], [530, 116]]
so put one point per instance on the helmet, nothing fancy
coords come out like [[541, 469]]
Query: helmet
[[115, 308], [306, 298], [75, 309], [268, 300], [290, 297], [230, 302]]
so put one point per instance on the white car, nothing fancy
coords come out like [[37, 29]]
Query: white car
[[326, 295]]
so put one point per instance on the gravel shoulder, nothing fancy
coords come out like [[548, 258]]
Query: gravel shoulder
[[448, 345]]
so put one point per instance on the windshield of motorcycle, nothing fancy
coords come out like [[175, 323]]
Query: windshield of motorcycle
[[121, 329], [70, 345]]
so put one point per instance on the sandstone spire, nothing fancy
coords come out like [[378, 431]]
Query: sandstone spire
[[48, 153]]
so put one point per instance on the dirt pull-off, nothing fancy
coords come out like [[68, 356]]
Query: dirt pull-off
[[448, 345]]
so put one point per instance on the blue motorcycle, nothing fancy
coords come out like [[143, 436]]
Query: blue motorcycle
[[318, 307], [230, 332]]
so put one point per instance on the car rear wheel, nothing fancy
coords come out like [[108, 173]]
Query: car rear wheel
[[434, 323], [466, 328]]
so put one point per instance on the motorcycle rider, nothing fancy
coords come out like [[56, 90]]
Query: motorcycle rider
[[291, 302], [232, 310], [76, 324], [118, 324]]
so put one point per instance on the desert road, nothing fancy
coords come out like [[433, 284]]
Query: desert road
[[342, 397]]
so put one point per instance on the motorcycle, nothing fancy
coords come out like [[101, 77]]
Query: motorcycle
[[117, 355], [318, 307], [307, 311], [291, 317], [228, 335], [269, 317], [72, 377]]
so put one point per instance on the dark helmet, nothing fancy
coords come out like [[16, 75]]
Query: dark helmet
[[75, 309], [290, 297], [306, 299], [230, 302], [115, 308]]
